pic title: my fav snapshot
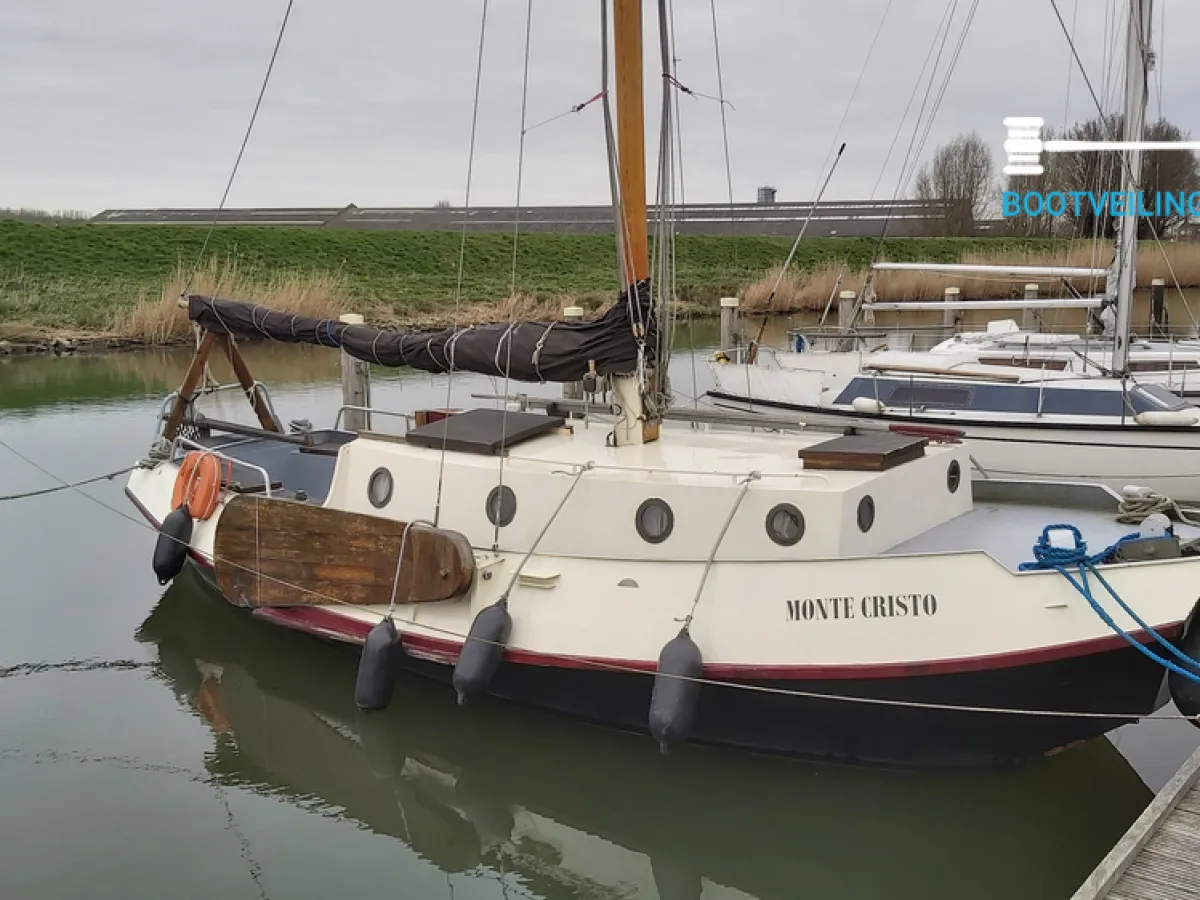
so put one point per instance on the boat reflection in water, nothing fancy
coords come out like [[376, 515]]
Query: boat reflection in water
[[569, 810]]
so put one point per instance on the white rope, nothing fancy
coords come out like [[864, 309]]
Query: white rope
[[1133, 510]]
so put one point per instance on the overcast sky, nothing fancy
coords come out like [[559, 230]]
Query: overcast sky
[[142, 103]]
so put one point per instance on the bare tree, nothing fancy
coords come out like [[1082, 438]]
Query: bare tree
[[960, 175]]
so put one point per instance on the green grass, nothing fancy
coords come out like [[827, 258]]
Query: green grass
[[77, 276]]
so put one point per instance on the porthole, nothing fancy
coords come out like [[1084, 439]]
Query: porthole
[[953, 475], [379, 488], [866, 513], [785, 524], [654, 520], [501, 505]]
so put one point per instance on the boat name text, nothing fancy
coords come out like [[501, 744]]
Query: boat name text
[[875, 606]]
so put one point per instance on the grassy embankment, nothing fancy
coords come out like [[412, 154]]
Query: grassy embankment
[[122, 281]]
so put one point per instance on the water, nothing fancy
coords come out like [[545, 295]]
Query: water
[[163, 745]]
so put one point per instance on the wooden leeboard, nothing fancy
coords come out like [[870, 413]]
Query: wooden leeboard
[[272, 552]]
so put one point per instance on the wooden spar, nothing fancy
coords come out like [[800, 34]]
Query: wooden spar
[[633, 427], [271, 552], [188, 387], [631, 137], [246, 380]]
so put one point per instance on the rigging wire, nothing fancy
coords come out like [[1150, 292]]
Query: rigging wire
[[462, 254], [1134, 177], [512, 290], [908, 106], [712, 5], [241, 150]]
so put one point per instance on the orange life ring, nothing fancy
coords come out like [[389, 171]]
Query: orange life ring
[[198, 484]]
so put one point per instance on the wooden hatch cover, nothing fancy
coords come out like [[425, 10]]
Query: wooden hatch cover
[[272, 552], [871, 452]]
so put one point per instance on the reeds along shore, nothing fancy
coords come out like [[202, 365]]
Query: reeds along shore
[[36, 309], [812, 290]]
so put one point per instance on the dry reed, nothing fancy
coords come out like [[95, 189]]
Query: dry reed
[[799, 291], [161, 320]]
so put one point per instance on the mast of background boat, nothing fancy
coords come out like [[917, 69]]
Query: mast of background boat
[[631, 426], [1137, 61]]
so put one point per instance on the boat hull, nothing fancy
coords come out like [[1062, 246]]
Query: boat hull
[[913, 729], [1164, 459]]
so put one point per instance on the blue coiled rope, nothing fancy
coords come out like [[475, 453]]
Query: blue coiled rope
[[1058, 558]]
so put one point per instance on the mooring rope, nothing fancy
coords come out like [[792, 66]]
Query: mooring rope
[[108, 476], [1048, 556]]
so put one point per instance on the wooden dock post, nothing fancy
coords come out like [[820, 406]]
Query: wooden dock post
[[845, 310], [1029, 320], [730, 336], [572, 390], [356, 384], [1159, 327], [951, 317]]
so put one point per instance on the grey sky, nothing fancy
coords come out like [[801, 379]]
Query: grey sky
[[137, 103]]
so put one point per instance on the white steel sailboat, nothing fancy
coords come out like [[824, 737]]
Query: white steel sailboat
[[848, 597], [1024, 412]]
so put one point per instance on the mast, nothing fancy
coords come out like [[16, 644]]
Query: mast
[[631, 136], [1138, 59], [633, 425]]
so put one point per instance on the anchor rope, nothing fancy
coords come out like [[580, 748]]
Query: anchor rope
[[1047, 556], [576, 659]]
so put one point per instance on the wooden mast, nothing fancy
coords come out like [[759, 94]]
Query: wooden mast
[[631, 135], [632, 427]]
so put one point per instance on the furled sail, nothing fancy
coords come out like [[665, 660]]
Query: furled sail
[[531, 351]]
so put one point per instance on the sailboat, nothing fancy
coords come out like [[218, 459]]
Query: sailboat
[[1024, 411], [843, 596]]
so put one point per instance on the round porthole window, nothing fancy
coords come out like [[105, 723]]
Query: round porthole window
[[866, 513], [785, 524], [501, 505], [654, 520], [953, 475], [379, 488]]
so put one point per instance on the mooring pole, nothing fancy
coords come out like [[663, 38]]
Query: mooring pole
[[356, 384]]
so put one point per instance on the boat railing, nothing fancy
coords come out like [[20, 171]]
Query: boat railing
[[409, 419], [183, 442], [213, 389]]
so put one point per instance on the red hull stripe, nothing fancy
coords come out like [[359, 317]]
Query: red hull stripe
[[331, 625]]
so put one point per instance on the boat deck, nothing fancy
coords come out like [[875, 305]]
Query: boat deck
[[1159, 856], [1008, 518]]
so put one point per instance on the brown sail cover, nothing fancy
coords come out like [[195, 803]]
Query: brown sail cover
[[531, 351]]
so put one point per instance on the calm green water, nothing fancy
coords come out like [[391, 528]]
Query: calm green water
[[164, 746]]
